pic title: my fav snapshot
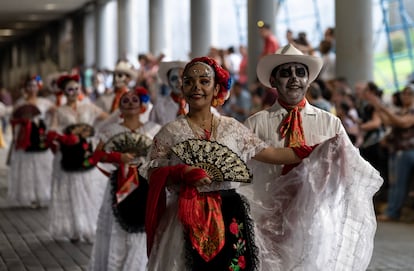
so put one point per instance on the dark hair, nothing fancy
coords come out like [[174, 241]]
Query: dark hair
[[372, 87], [314, 91], [325, 46], [397, 99]]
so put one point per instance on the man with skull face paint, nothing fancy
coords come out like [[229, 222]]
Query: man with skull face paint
[[167, 108], [124, 73], [291, 204]]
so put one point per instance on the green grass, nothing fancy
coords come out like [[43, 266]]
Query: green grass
[[383, 71]]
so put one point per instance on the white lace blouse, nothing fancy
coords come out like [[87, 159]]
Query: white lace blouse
[[226, 131]]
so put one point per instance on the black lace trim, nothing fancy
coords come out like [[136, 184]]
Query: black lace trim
[[236, 207], [130, 213]]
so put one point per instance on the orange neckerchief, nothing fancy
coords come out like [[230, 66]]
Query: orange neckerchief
[[291, 126], [181, 104], [117, 98]]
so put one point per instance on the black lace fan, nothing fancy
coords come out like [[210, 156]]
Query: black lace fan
[[220, 162], [129, 142]]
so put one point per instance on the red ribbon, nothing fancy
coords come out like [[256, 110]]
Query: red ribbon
[[23, 137]]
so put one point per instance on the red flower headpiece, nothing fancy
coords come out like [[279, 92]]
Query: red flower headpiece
[[36, 78], [143, 94], [222, 77], [64, 79]]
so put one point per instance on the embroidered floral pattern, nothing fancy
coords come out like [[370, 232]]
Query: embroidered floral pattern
[[238, 262]]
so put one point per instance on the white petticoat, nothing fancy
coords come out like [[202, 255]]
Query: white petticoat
[[30, 178], [115, 249], [76, 198], [320, 216]]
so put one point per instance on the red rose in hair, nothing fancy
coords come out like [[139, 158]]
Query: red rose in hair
[[62, 80]]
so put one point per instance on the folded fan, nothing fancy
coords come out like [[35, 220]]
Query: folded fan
[[220, 162]]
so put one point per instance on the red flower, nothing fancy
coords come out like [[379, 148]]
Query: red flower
[[41, 131], [234, 227], [242, 262]]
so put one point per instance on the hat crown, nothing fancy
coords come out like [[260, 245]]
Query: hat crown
[[289, 50], [123, 65]]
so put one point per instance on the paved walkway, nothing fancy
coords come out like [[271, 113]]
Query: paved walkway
[[25, 243]]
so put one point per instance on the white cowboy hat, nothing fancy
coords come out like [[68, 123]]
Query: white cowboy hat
[[287, 54], [165, 66], [126, 67]]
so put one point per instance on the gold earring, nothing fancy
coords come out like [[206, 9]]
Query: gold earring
[[214, 102]]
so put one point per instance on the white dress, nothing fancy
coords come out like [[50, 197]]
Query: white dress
[[319, 216], [76, 195], [168, 251], [30, 175], [115, 249]]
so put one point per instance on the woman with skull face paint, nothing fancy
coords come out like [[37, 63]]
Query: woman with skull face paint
[[77, 186], [120, 239], [174, 242], [30, 159]]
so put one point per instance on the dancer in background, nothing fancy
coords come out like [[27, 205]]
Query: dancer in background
[[30, 159], [78, 186]]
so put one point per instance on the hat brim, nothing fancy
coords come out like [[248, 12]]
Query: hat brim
[[269, 62], [164, 67], [131, 73]]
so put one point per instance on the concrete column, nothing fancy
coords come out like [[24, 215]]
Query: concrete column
[[89, 44], [257, 10], [200, 21], [157, 33], [106, 36], [354, 48], [124, 28], [99, 33]]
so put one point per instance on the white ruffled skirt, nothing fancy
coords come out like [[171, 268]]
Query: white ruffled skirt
[[30, 178], [76, 198], [114, 248]]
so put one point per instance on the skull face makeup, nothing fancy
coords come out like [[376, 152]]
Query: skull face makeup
[[130, 102], [32, 87], [121, 79], [199, 85], [174, 80], [71, 90], [291, 81]]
